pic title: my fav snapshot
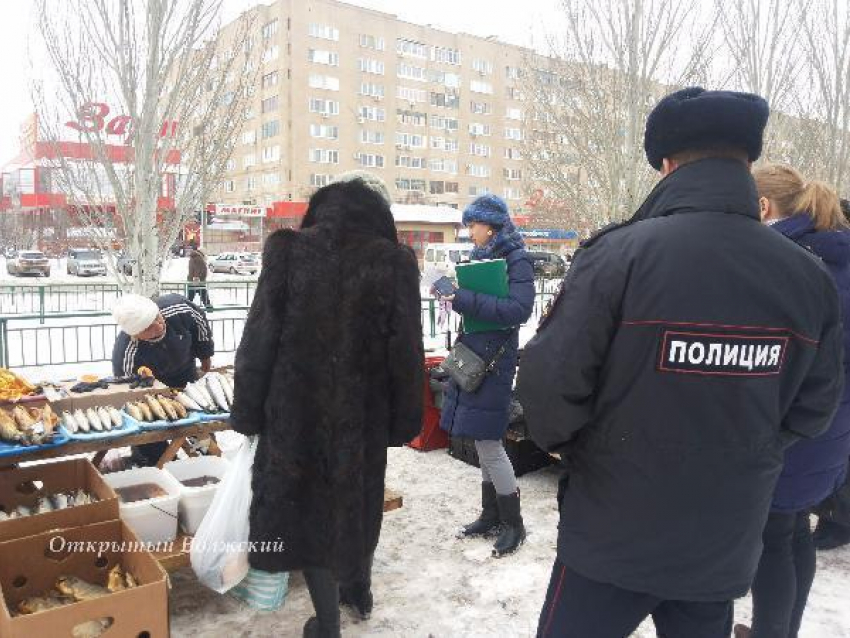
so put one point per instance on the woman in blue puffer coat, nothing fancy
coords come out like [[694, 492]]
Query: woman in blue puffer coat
[[483, 415], [808, 214]]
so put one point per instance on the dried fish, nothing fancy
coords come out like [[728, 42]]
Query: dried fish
[[3, 515], [156, 408], [179, 408], [217, 392], [23, 511], [130, 580], [82, 422], [115, 580], [202, 399], [165, 403], [79, 589], [115, 416], [105, 419], [92, 628], [9, 431], [227, 385], [186, 401], [133, 410], [147, 413], [49, 420], [70, 422], [51, 600], [23, 418], [43, 506], [94, 420], [59, 501]]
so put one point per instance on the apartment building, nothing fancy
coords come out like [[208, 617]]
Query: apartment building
[[438, 115]]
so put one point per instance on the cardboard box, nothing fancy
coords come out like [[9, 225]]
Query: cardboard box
[[114, 395], [19, 486], [30, 567]]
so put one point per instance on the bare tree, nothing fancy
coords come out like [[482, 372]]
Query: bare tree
[[588, 102], [822, 143], [177, 101], [760, 39]]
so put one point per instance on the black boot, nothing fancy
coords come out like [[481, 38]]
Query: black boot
[[830, 535], [513, 530], [488, 521], [324, 592], [357, 592]]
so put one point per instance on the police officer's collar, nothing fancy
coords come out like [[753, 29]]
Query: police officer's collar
[[708, 185]]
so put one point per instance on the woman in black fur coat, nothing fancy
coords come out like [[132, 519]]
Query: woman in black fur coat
[[329, 373]]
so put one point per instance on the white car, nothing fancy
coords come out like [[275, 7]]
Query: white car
[[235, 263]]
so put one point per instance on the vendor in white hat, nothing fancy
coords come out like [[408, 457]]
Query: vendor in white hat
[[166, 335]]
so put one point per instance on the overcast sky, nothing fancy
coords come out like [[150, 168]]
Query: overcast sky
[[510, 21]]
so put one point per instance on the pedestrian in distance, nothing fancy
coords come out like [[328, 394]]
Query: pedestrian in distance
[[198, 276], [483, 415], [688, 348], [809, 214], [329, 373]]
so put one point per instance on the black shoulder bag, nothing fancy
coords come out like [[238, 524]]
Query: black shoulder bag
[[469, 370]]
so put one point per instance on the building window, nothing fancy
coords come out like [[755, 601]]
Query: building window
[[448, 100], [324, 156], [371, 137], [513, 93], [271, 53], [482, 66], [411, 140], [413, 118], [440, 165], [513, 73], [513, 113], [229, 186], [477, 170], [229, 165], [370, 89], [269, 29], [269, 104], [512, 174], [271, 179], [513, 154], [249, 137], [269, 129], [449, 80], [372, 114], [323, 31], [409, 161], [324, 107], [445, 56], [369, 65], [409, 72], [324, 131], [452, 146], [480, 108], [411, 94], [478, 191], [452, 187], [328, 58], [318, 180], [323, 82], [479, 150], [511, 192], [372, 42], [249, 160], [479, 86], [411, 48], [269, 79], [406, 184], [271, 154], [370, 160], [476, 128]]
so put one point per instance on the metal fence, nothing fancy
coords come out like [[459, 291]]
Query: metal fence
[[88, 337], [50, 300]]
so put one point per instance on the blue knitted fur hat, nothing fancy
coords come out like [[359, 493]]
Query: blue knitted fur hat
[[487, 209]]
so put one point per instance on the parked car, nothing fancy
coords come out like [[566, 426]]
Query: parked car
[[28, 262], [235, 263], [547, 264], [124, 264], [85, 261], [442, 258]]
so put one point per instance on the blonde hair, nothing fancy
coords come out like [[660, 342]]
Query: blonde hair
[[789, 191]]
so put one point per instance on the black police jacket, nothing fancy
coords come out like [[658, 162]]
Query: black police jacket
[[687, 349], [172, 359]]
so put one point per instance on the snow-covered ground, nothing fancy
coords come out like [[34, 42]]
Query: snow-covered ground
[[428, 583]]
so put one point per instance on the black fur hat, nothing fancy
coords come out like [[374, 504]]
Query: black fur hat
[[693, 119]]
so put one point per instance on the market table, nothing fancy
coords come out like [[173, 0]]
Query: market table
[[175, 557]]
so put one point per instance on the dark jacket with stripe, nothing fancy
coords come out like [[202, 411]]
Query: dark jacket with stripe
[[187, 337], [688, 348], [816, 468]]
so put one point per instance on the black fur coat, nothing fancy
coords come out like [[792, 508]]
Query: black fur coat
[[329, 373]]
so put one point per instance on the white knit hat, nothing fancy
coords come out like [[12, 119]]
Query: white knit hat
[[369, 179], [134, 313]]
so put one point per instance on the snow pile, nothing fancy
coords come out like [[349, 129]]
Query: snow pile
[[427, 583]]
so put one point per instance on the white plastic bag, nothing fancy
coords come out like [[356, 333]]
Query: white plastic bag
[[220, 548]]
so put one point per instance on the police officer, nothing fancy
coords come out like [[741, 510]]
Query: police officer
[[688, 348], [166, 335]]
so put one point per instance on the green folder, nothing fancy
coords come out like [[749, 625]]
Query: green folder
[[489, 277]]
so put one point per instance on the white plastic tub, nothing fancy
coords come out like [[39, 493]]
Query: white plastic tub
[[195, 501], [153, 520]]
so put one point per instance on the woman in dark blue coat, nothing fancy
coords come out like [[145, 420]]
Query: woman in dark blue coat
[[483, 415], [808, 214]]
